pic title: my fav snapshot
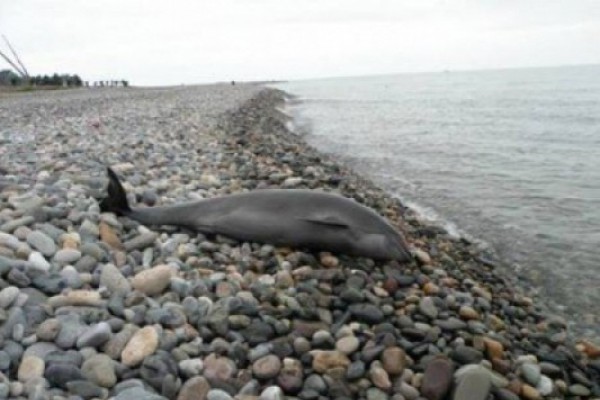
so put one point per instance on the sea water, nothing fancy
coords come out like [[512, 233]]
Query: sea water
[[511, 157]]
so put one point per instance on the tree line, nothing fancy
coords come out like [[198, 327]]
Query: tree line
[[9, 78]]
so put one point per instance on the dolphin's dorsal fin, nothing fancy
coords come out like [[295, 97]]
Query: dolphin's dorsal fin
[[329, 220]]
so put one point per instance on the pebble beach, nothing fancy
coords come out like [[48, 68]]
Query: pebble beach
[[95, 306]]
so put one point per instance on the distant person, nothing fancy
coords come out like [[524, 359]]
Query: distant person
[[232, 83]]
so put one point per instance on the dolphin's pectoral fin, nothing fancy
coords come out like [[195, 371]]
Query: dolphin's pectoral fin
[[329, 220]]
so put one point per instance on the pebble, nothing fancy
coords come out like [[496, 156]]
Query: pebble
[[108, 236], [137, 393], [324, 360], [578, 389], [7, 296], [530, 393], [86, 389], [218, 394], [473, 385], [191, 367], [77, 298], [42, 242], [428, 308], [545, 386], [142, 344], [38, 261], [194, 389], [272, 393], [30, 368], [266, 367], [112, 278], [368, 313], [95, 336], [466, 355], [220, 369], [100, 370], [291, 377], [67, 256], [437, 379], [139, 242], [152, 281], [60, 374], [347, 344], [394, 360], [5, 360], [379, 376], [532, 373]]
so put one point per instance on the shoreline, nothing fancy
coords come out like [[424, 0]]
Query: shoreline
[[524, 277], [211, 315]]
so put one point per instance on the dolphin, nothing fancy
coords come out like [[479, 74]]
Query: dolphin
[[283, 217]]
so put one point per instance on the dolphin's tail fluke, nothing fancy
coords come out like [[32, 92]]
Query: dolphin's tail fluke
[[116, 201]]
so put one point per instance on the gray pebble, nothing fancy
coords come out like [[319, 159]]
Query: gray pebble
[[59, 374], [532, 373], [8, 295], [141, 241], [137, 393], [67, 256], [95, 336], [42, 242], [218, 394]]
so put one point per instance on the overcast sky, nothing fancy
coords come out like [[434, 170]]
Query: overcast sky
[[152, 42]]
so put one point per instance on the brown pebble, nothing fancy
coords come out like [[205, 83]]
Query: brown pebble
[[195, 388], [108, 236], [468, 313], [501, 366], [329, 261], [437, 379], [325, 359], [379, 376], [494, 348], [152, 281], [143, 343], [390, 285], [496, 323], [393, 360], [70, 242], [515, 386], [431, 288], [590, 349], [530, 393]]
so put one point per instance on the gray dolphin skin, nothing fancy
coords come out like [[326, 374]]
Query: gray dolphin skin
[[283, 217]]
